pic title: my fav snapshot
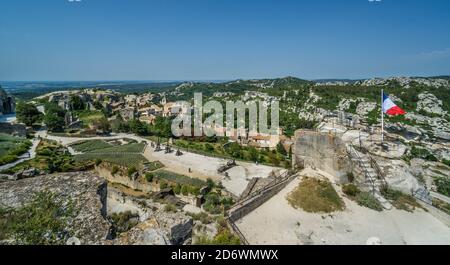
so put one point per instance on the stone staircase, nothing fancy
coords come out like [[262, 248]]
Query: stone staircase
[[373, 181]]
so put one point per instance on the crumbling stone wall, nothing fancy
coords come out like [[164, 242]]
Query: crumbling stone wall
[[15, 129], [321, 151], [121, 177], [241, 209]]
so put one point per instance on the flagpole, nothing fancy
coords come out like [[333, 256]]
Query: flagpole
[[382, 117]]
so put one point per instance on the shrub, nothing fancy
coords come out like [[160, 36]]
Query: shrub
[[351, 190], [224, 238], [443, 185], [185, 190], [170, 208], [210, 183], [446, 162], [177, 189], [368, 200], [163, 185], [400, 200], [123, 222], [350, 177], [131, 171], [149, 177], [114, 170], [202, 217]]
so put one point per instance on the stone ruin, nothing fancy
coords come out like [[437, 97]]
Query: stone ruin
[[7, 103], [230, 164], [321, 151]]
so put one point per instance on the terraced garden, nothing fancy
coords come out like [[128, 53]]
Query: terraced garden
[[88, 146], [129, 155]]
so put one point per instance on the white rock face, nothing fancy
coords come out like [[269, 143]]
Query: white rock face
[[400, 177], [430, 103], [365, 107], [405, 82], [344, 104]]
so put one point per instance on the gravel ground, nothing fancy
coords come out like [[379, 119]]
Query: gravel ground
[[277, 222]]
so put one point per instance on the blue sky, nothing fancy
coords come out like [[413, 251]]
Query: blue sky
[[222, 39]]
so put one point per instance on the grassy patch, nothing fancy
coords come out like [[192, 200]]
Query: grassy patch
[[202, 217], [179, 179], [315, 196], [364, 199], [42, 221], [89, 116], [126, 148], [367, 200], [223, 238], [441, 205], [400, 200], [12, 147], [127, 160], [123, 222], [152, 166]]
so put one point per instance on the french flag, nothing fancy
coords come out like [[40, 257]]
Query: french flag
[[390, 108]]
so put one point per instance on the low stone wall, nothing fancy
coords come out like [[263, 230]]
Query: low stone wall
[[121, 177], [16, 129], [174, 227], [243, 208]]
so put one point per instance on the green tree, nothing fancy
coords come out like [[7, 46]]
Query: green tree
[[280, 149], [77, 103], [28, 114], [104, 125], [185, 190], [54, 117]]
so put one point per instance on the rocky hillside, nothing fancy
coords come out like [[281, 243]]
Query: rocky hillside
[[54, 209]]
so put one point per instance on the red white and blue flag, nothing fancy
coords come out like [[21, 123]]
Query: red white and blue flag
[[390, 108]]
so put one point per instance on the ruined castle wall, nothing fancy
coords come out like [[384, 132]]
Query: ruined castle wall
[[244, 208], [321, 151], [121, 177]]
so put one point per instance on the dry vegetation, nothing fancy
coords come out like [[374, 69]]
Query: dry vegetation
[[316, 196]]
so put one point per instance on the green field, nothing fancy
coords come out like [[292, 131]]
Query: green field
[[179, 179], [89, 116], [127, 160], [88, 146], [126, 155], [127, 148], [12, 147]]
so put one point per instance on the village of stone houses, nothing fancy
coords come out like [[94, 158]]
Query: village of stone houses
[[99, 165]]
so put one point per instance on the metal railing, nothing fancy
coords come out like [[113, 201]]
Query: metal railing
[[362, 165], [237, 231]]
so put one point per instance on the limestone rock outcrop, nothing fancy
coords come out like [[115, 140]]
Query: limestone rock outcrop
[[86, 191]]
